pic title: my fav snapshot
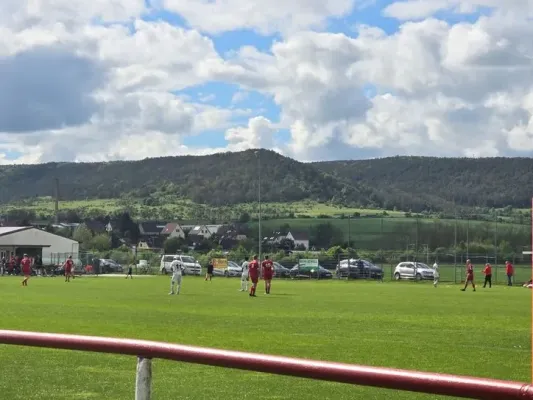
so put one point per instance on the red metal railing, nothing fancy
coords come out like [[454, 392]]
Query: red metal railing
[[465, 387]]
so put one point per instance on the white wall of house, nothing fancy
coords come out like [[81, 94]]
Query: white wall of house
[[202, 230], [177, 233], [58, 246]]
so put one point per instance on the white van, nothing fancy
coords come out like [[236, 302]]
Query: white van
[[191, 266]]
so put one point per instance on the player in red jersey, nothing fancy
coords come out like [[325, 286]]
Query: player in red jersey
[[68, 268], [267, 267], [253, 271], [25, 264], [469, 275]]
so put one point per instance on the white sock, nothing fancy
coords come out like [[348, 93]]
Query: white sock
[[171, 287]]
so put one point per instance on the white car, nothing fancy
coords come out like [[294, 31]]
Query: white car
[[413, 270], [191, 266]]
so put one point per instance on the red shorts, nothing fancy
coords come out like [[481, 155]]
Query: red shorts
[[26, 272], [68, 271], [267, 277], [470, 278], [254, 278]]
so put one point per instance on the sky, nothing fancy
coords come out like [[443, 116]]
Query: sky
[[314, 80]]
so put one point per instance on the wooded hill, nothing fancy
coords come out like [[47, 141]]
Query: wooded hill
[[404, 183]]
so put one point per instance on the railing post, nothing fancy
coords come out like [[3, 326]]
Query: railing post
[[143, 382]]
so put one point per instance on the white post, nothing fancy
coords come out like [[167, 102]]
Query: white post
[[143, 383]]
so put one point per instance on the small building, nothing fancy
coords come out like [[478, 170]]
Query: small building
[[204, 231], [173, 230], [50, 247], [300, 239]]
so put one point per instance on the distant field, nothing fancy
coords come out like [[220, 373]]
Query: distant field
[[368, 232], [398, 325]]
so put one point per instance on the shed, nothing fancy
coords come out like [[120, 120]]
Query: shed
[[33, 241]]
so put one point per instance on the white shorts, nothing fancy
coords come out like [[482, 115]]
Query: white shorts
[[244, 277], [176, 278]]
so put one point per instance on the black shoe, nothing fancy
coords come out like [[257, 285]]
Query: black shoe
[[462, 290]]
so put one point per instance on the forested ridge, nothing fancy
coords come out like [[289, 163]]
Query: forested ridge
[[439, 183], [404, 183]]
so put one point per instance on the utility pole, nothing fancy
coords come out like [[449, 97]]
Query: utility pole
[[257, 153], [56, 203], [349, 231]]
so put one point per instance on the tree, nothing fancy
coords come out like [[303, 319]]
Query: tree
[[127, 227], [244, 218], [172, 245], [101, 243], [286, 244], [83, 235], [326, 235]]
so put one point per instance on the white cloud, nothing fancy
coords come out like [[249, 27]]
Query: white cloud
[[453, 89], [266, 17], [419, 9], [258, 134]]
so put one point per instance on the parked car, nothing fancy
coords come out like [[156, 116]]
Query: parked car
[[298, 272], [413, 270], [233, 269], [358, 269], [108, 266], [191, 266], [280, 271]]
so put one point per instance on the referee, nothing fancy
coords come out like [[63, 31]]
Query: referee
[[209, 273]]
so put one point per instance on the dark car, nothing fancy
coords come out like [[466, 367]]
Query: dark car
[[280, 271], [304, 271], [358, 269], [108, 266]]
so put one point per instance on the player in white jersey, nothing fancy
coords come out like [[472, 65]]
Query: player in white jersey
[[176, 268], [244, 276], [436, 275]]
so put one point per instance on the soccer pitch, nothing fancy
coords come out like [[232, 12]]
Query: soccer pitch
[[395, 324]]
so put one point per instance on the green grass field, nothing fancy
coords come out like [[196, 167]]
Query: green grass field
[[403, 325]]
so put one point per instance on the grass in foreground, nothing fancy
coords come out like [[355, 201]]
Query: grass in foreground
[[413, 326]]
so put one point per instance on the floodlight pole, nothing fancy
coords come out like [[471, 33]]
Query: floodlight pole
[[259, 200]]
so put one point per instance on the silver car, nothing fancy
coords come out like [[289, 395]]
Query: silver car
[[413, 270], [233, 269]]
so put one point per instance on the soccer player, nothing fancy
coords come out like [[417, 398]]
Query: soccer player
[[469, 276], [68, 268], [177, 268], [509, 271], [244, 276], [267, 267], [209, 273], [436, 274], [253, 271], [26, 269], [130, 272], [488, 275]]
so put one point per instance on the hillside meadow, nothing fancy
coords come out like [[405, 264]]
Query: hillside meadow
[[187, 209]]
